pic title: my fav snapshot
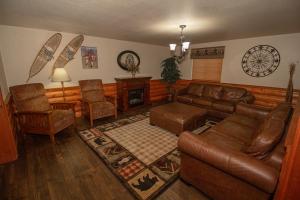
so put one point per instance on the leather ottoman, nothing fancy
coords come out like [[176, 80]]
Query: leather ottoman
[[177, 117]]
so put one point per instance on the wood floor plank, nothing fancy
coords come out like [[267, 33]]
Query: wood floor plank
[[70, 170]]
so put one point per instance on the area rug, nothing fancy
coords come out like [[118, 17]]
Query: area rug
[[144, 157]]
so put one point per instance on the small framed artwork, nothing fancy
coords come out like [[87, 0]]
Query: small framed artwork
[[89, 57]]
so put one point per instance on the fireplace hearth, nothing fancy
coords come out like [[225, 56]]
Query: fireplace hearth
[[132, 92]]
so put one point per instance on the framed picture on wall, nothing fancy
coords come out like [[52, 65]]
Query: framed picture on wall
[[89, 57]]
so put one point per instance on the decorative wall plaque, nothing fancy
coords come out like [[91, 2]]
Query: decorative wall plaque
[[260, 61], [208, 52], [128, 59]]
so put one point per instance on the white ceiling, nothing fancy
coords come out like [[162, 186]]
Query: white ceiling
[[156, 21]]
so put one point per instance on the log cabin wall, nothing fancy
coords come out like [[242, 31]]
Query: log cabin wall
[[264, 96], [289, 181]]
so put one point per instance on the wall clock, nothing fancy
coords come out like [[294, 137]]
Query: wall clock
[[128, 58], [260, 61]]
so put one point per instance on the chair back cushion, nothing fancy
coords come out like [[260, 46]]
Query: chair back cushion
[[231, 93], [92, 90], [270, 132], [30, 97], [195, 89], [213, 91]]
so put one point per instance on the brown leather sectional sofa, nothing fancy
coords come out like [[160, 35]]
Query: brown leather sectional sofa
[[239, 158], [219, 100]]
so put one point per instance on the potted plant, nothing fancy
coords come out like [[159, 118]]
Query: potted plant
[[170, 73]]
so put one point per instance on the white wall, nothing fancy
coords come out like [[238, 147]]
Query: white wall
[[3, 82], [288, 46], [19, 47]]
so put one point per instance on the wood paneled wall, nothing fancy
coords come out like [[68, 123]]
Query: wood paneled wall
[[289, 182], [264, 96]]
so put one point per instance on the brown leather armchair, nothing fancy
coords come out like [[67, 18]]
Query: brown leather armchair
[[95, 104], [36, 115]]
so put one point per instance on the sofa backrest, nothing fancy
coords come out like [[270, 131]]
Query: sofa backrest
[[195, 89], [233, 93], [216, 91]]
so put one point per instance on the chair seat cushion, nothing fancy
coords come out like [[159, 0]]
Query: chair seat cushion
[[101, 109], [205, 101], [224, 106], [62, 119]]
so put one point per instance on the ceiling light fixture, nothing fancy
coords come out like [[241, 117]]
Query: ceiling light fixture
[[183, 47]]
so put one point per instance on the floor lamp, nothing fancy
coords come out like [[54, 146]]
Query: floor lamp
[[61, 75]]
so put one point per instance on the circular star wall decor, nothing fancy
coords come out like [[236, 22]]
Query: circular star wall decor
[[260, 61]]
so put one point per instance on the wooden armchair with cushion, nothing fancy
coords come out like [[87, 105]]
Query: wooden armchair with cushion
[[36, 115], [95, 104]]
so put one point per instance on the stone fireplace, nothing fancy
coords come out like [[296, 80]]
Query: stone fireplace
[[132, 92]]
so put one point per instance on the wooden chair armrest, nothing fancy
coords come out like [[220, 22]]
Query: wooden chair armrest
[[63, 105], [111, 99], [35, 119], [48, 112]]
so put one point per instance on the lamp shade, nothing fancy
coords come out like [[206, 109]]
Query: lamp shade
[[172, 47], [60, 75], [185, 45]]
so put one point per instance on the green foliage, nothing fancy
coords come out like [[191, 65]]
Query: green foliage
[[170, 71]]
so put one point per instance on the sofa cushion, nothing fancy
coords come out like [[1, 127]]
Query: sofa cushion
[[213, 91], [244, 120], [233, 94], [219, 139], [224, 106], [195, 89], [187, 98], [266, 138], [204, 101], [237, 131]]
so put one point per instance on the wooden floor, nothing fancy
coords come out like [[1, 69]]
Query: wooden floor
[[70, 170]]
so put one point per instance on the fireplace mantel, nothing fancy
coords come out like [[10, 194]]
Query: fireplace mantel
[[125, 85]]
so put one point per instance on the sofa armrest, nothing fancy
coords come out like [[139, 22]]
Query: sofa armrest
[[254, 111], [248, 98], [180, 91], [235, 163]]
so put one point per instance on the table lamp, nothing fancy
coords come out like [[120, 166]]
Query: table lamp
[[61, 75]]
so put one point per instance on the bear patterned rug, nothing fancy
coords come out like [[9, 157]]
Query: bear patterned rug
[[144, 157]]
